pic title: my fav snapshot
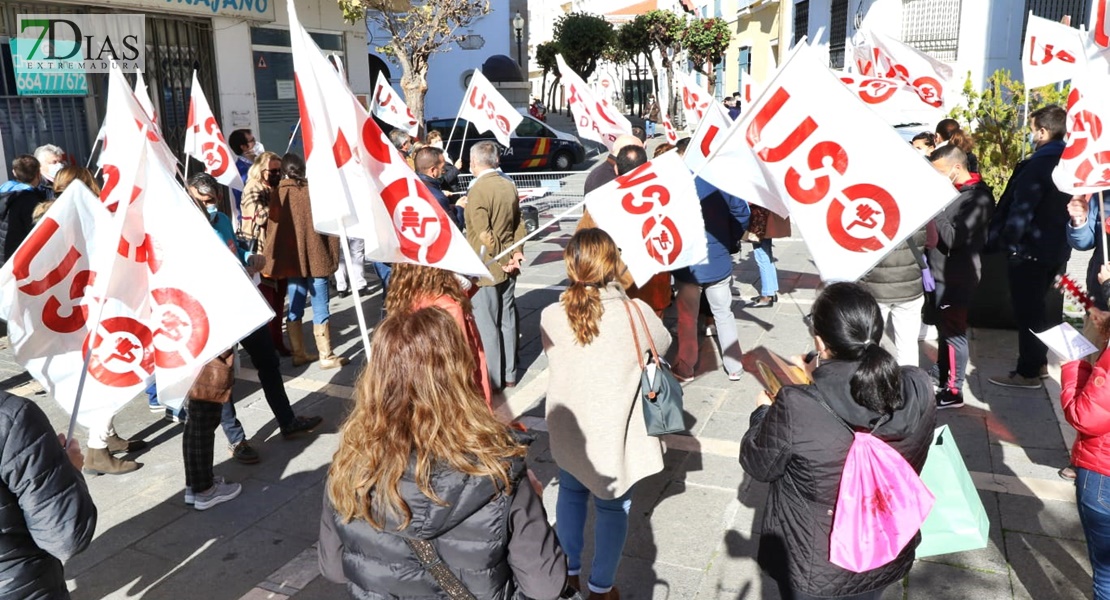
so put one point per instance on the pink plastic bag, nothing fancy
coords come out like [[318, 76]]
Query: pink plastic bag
[[879, 508]]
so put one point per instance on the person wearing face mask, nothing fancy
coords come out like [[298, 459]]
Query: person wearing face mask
[[260, 189], [1030, 225], [962, 231], [246, 148], [924, 143], [51, 160], [430, 162]]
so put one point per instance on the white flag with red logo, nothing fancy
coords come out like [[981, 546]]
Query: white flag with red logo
[[718, 155], [355, 175], [142, 95], [851, 185], [123, 119], [696, 100], [596, 120], [388, 106], [654, 215], [1053, 52], [1100, 23], [486, 109], [205, 142], [879, 55], [1084, 167], [668, 128], [896, 101]]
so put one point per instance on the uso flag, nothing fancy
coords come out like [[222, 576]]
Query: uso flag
[[205, 142], [654, 216], [596, 120], [853, 188], [485, 108], [1084, 167], [388, 106]]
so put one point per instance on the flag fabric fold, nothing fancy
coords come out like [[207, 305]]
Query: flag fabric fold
[[487, 110], [388, 106], [1084, 167], [205, 141], [594, 118]]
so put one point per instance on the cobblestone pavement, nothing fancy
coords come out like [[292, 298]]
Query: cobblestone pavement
[[694, 527]]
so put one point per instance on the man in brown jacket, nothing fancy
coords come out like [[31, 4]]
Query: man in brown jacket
[[493, 222]]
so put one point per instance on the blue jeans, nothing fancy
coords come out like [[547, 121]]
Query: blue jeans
[[765, 259], [382, 270], [611, 527], [1092, 495], [317, 287]]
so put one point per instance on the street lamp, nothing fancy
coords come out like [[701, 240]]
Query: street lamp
[[518, 24]]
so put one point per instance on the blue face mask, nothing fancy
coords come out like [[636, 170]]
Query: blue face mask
[[211, 208]]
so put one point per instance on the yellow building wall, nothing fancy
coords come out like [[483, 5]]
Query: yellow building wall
[[757, 28]]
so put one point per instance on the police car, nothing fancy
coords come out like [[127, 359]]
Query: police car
[[533, 145]]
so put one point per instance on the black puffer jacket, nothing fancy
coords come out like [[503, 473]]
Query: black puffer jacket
[[46, 513], [897, 277], [17, 205], [1030, 221], [495, 546], [962, 232], [800, 448]]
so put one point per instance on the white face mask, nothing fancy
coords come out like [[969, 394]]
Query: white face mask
[[53, 170], [437, 144], [258, 148]]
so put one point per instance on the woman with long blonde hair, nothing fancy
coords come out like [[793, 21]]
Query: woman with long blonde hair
[[421, 458], [259, 190], [594, 415], [413, 287]]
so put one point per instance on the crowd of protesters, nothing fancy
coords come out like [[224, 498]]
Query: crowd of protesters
[[429, 494]]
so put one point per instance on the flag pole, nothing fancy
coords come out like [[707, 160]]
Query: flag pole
[[345, 247], [1102, 228], [296, 128], [106, 278], [555, 219], [1024, 145]]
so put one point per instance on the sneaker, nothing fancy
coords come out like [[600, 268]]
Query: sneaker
[[155, 405], [1067, 473], [220, 492], [735, 376], [191, 498], [946, 399], [243, 453], [1014, 380], [710, 331], [176, 417], [300, 425]]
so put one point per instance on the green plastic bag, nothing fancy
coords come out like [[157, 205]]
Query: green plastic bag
[[958, 520]]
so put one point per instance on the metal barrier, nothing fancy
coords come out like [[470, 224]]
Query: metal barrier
[[550, 192]]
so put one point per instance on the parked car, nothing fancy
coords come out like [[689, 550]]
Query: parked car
[[534, 145]]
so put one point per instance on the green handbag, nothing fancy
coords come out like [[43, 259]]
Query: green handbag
[[958, 520], [660, 392]]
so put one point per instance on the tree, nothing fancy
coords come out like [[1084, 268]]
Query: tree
[[664, 36], [545, 57], [631, 43], [428, 27], [582, 39], [706, 42], [998, 120]]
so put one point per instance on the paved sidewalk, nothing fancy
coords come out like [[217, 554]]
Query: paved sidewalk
[[694, 528]]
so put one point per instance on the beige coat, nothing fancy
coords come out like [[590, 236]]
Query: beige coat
[[595, 418], [493, 220]]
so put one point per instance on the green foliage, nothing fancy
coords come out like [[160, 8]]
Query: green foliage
[[664, 31], [633, 38], [996, 118], [706, 42], [545, 57], [583, 39]]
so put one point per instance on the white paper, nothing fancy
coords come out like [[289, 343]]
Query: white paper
[[1066, 342]]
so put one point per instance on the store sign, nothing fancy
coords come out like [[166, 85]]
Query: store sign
[[251, 9], [74, 43], [31, 83]]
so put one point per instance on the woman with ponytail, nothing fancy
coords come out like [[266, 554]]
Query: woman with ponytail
[[594, 416], [794, 443]]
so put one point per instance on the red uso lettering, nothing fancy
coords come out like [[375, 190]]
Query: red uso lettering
[[211, 128], [376, 143], [306, 123], [52, 317], [823, 152], [78, 315], [800, 134]]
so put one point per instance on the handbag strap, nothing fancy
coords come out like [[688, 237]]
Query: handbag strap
[[916, 253], [635, 334], [647, 332], [429, 559]]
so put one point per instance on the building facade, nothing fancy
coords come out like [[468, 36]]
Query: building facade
[[240, 49]]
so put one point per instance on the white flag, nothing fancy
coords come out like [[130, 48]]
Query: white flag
[[1053, 52], [654, 215], [852, 186], [696, 100], [486, 109], [388, 106], [594, 118], [205, 142], [1084, 167], [896, 101], [355, 174], [142, 95], [1100, 23], [879, 55], [123, 120], [719, 155]]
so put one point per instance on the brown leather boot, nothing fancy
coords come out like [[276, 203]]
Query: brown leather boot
[[296, 340], [328, 359], [98, 461], [116, 445]]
